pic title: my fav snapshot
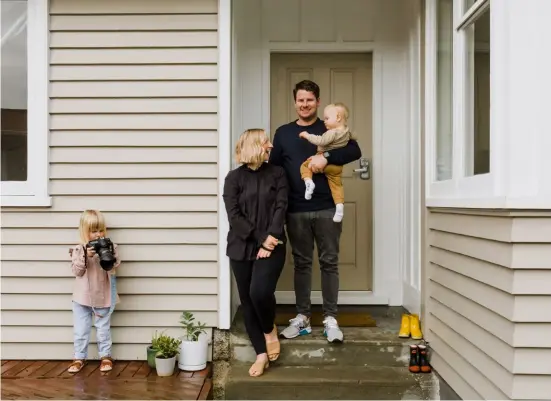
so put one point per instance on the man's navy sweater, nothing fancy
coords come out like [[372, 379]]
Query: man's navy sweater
[[290, 151]]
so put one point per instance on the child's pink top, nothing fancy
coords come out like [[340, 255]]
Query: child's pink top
[[93, 284]]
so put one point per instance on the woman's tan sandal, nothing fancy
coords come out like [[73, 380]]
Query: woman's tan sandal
[[257, 369], [273, 348], [106, 364], [76, 366]]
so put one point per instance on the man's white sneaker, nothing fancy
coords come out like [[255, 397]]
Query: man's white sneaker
[[331, 330], [299, 326]]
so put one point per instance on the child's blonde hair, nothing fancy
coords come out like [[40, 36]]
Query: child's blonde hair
[[342, 110], [249, 148], [91, 220]]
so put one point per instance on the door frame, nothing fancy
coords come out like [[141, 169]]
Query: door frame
[[378, 295], [381, 289], [396, 208]]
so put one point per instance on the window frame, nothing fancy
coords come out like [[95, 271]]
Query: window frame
[[34, 191], [461, 190]]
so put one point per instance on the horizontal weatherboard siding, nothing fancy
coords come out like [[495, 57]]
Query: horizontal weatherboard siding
[[133, 132], [488, 312]]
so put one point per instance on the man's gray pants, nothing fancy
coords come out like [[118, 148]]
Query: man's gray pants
[[303, 229]]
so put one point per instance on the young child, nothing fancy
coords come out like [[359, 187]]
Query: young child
[[94, 293], [336, 120]]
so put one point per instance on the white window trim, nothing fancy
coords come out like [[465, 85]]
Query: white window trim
[[34, 191], [459, 191]]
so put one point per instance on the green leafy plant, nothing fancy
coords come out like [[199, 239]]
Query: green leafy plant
[[193, 329], [155, 339], [167, 347]]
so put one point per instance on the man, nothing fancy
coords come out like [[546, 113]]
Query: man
[[311, 220]]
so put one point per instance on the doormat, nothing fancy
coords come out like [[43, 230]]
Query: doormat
[[345, 319]]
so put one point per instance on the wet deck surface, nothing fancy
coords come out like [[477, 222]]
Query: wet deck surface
[[129, 380]]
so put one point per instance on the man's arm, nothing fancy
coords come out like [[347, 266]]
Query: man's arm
[[276, 155], [339, 157]]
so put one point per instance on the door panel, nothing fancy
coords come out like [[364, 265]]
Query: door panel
[[343, 78]]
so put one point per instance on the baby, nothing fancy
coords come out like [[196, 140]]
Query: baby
[[335, 118]]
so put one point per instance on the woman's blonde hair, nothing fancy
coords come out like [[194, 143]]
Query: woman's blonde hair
[[249, 148], [91, 220]]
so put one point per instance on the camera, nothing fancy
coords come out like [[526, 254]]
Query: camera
[[106, 252]]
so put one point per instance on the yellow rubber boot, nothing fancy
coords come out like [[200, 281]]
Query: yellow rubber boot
[[405, 327], [415, 327]]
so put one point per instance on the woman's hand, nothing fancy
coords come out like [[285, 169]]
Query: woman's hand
[[270, 243], [263, 253], [90, 252]]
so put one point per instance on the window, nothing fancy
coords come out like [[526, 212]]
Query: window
[[458, 101], [477, 144], [444, 95], [14, 91], [24, 101]]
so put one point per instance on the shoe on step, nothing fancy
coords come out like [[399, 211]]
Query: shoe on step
[[415, 327], [405, 328], [424, 359], [332, 331], [298, 326], [414, 359]]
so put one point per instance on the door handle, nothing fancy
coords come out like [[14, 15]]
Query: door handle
[[364, 169]]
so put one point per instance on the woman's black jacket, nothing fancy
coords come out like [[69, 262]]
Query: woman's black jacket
[[256, 203]]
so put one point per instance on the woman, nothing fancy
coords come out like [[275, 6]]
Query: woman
[[255, 195]]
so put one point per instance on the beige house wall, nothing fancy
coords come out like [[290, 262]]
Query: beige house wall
[[133, 132], [488, 302]]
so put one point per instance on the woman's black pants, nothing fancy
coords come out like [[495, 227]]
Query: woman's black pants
[[256, 282]]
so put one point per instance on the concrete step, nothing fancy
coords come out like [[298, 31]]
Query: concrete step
[[281, 382], [362, 347]]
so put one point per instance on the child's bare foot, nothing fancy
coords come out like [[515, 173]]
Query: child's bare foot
[[339, 213], [310, 186], [261, 363]]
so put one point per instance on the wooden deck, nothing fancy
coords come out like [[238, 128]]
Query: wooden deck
[[129, 380]]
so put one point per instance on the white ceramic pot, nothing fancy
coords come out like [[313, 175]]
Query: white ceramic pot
[[193, 354], [165, 367]]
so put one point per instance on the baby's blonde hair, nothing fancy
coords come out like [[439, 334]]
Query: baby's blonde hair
[[249, 148], [91, 220], [342, 110]]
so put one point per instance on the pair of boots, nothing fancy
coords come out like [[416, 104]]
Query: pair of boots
[[410, 327], [418, 359]]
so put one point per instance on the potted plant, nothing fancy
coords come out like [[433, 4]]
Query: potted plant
[[152, 350], [165, 359], [194, 348]]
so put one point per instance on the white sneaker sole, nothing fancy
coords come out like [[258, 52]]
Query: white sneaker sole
[[302, 332]]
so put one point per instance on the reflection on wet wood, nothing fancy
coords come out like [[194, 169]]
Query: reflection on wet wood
[[129, 380]]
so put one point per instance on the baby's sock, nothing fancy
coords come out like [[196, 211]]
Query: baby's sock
[[339, 213], [309, 188]]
